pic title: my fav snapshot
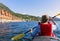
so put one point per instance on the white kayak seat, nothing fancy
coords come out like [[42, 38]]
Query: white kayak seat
[[46, 38]]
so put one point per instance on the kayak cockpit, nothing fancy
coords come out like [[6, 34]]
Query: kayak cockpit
[[46, 38]]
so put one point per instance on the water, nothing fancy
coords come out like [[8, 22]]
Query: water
[[57, 31], [8, 30]]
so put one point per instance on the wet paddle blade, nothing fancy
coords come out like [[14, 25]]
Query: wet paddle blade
[[17, 37]]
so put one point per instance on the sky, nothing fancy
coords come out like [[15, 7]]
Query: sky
[[34, 7]]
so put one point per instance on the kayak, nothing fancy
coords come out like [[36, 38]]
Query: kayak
[[46, 38]]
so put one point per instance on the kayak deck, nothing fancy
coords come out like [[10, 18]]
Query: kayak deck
[[46, 38]]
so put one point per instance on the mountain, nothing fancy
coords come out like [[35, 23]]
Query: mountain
[[28, 17], [2, 6]]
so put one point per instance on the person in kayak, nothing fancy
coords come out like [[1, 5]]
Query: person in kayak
[[46, 26]]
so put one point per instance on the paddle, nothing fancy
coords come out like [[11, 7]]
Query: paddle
[[20, 36], [55, 15]]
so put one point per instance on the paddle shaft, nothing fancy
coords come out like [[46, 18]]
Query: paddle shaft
[[30, 30], [55, 15]]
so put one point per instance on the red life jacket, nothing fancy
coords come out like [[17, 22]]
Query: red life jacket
[[46, 29]]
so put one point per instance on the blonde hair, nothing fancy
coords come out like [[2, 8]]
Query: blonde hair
[[44, 18]]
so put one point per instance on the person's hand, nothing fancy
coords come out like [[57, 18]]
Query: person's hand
[[50, 18]]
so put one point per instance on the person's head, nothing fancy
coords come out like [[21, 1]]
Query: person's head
[[44, 18]]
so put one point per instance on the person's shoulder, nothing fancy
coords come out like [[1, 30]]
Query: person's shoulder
[[49, 23]]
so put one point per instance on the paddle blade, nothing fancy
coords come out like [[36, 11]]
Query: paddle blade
[[17, 37], [58, 14]]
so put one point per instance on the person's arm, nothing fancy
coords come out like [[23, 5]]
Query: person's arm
[[51, 19], [54, 22]]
